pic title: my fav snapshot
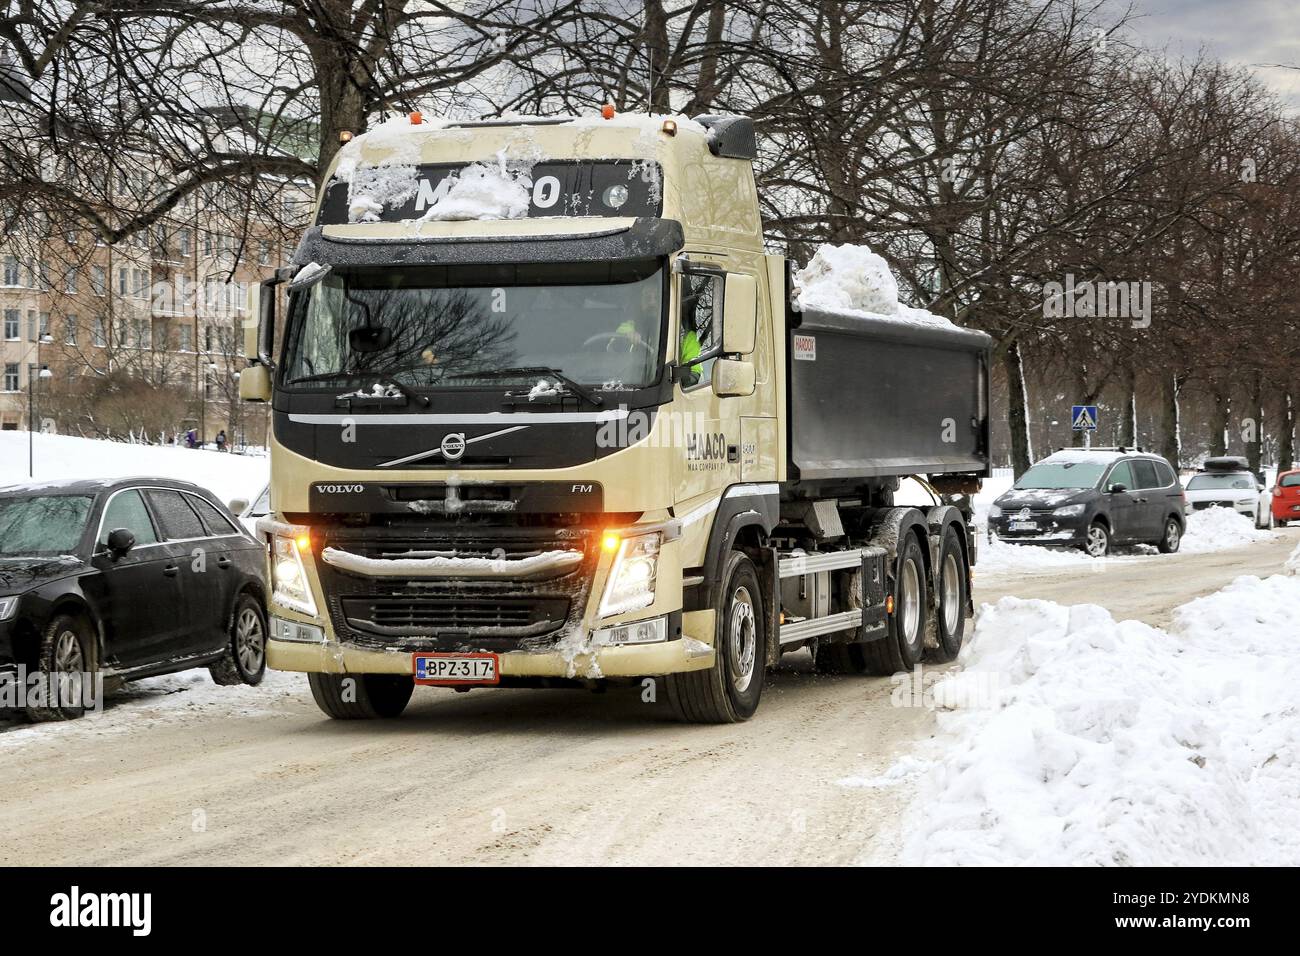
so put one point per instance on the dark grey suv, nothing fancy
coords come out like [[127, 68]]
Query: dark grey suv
[[1093, 499]]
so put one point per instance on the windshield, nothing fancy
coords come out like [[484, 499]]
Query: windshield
[[45, 524], [1221, 483], [1062, 474], [600, 324]]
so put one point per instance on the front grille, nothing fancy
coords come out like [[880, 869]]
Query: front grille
[[457, 613], [400, 615], [1202, 505]]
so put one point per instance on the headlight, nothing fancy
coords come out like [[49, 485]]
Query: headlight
[[631, 583], [8, 607], [289, 577], [1069, 511], [995, 511]]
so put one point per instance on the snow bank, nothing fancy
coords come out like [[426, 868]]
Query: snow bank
[[62, 456], [1293, 562], [854, 279], [1110, 743], [1216, 529]]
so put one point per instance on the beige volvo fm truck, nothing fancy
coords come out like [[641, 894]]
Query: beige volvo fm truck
[[546, 413]]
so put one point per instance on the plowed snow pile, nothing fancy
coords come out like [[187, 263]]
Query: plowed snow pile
[[1070, 738], [1217, 528]]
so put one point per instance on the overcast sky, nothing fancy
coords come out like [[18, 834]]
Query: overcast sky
[[1256, 33]]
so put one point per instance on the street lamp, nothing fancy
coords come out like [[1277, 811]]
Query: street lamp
[[31, 404], [203, 403]]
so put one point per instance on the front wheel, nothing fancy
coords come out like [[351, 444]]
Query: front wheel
[[729, 691], [1173, 536], [64, 670], [361, 696], [1267, 523], [1097, 542]]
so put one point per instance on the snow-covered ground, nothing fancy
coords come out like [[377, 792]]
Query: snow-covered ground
[[1069, 738], [63, 456]]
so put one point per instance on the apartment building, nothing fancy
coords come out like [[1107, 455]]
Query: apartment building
[[165, 306]]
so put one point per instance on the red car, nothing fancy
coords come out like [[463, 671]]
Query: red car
[[1286, 497]]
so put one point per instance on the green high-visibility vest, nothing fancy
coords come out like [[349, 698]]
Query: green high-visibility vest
[[690, 349]]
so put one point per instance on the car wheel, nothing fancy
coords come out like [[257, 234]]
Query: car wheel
[[1097, 541], [361, 696], [729, 691], [1173, 536], [244, 659], [1267, 524], [64, 663]]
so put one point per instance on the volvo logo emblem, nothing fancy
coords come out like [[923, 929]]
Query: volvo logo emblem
[[453, 446]]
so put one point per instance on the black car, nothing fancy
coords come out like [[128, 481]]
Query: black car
[[1093, 499], [125, 579]]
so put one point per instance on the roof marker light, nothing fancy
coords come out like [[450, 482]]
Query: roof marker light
[[670, 127], [607, 111], [345, 136], [417, 118]]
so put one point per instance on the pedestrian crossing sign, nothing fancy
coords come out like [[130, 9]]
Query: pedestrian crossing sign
[[1083, 418]]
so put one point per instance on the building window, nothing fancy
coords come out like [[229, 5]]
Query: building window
[[11, 376], [43, 274], [123, 281], [140, 287], [70, 282], [13, 271], [264, 253], [207, 243], [99, 280], [31, 325], [12, 324], [183, 241], [45, 325], [70, 330], [143, 334], [97, 335], [186, 334]]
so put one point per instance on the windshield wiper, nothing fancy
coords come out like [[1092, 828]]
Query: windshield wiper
[[554, 373], [409, 393]]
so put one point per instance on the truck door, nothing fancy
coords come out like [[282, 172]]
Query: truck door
[[707, 430]]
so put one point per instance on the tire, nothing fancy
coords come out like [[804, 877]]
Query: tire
[[244, 659], [1268, 523], [361, 696], [1172, 539], [729, 691], [1097, 542], [953, 582], [66, 647], [1282, 522], [903, 645]]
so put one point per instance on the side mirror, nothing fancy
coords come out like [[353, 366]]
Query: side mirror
[[237, 505], [266, 321], [732, 378], [255, 384], [1117, 488], [120, 541], [739, 314]]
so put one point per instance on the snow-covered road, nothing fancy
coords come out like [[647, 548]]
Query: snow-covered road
[[180, 771]]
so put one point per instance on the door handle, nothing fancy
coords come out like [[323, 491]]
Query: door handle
[[223, 562], [170, 571]]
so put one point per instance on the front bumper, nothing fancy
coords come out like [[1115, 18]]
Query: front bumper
[[1051, 531], [692, 650]]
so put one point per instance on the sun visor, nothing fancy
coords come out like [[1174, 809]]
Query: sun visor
[[643, 239]]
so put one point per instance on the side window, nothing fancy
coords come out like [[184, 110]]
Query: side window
[[1145, 472], [1121, 474], [1165, 474], [178, 519], [127, 510], [701, 297], [218, 524]]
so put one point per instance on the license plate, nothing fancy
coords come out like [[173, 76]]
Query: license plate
[[452, 669], [1024, 526]]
